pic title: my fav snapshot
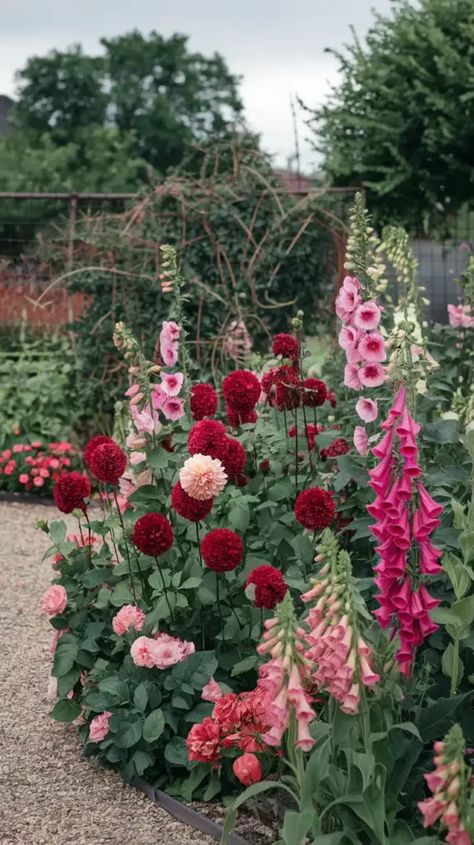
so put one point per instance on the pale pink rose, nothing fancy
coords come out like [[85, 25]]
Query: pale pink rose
[[173, 409], [38, 481], [372, 347], [99, 727], [128, 617], [202, 477], [170, 650], [367, 315], [54, 600], [367, 409], [23, 478], [211, 691], [137, 458], [351, 377], [172, 383], [361, 440], [142, 652], [372, 375]]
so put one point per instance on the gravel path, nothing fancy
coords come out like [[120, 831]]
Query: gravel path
[[49, 794]]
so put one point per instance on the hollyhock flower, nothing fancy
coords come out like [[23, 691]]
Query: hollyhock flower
[[192, 509], [460, 316], [128, 618], [207, 437], [315, 508], [171, 383], [247, 769], [202, 477], [70, 490], [361, 440], [145, 421], [286, 346], [173, 409], [203, 742], [108, 462], [351, 377], [267, 586], [203, 401], [367, 316], [314, 392], [367, 409], [241, 389], [233, 457], [54, 600], [371, 375], [92, 444], [169, 338], [211, 691], [348, 339], [222, 549], [372, 347], [99, 726], [152, 534]]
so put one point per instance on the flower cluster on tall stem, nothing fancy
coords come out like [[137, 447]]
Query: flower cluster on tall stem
[[406, 515], [339, 656]]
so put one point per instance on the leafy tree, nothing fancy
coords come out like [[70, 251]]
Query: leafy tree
[[151, 86], [401, 121]]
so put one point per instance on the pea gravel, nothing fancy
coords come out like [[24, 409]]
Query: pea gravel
[[49, 794]]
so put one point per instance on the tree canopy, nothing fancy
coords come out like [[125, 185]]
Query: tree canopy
[[401, 120]]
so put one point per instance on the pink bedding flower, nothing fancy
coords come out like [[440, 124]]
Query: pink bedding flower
[[54, 600], [361, 440], [372, 347], [202, 477], [371, 375], [172, 383], [99, 727], [367, 409], [211, 691], [173, 409], [367, 315], [128, 617]]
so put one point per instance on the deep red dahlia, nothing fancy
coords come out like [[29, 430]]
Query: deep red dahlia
[[108, 462], [314, 392], [70, 490], [234, 457], [192, 509], [339, 446], [315, 508], [222, 549], [203, 401], [203, 741], [240, 416], [270, 587], [98, 440], [241, 480], [152, 534], [241, 389], [269, 380], [207, 438], [264, 466], [286, 345], [288, 388]]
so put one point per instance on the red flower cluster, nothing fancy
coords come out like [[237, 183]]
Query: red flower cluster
[[222, 549], [268, 584], [315, 392], [310, 433], [282, 386], [241, 390], [203, 401], [339, 446], [286, 346], [33, 464], [152, 534], [107, 461], [315, 508], [70, 490], [207, 438], [97, 440], [192, 509], [237, 721]]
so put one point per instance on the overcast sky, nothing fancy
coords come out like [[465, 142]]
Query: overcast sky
[[276, 45]]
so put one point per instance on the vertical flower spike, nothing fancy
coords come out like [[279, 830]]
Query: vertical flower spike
[[449, 784], [405, 516], [283, 678], [340, 658]]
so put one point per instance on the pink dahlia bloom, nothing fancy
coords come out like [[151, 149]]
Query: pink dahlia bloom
[[54, 600], [367, 315], [129, 617], [351, 377], [372, 347], [371, 375], [367, 409], [173, 409], [172, 383], [202, 477], [99, 727], [361, 440]]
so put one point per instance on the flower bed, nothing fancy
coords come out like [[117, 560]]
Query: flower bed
[[198, 640]]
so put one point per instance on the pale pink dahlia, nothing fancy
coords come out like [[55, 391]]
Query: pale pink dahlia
[[202, 477]]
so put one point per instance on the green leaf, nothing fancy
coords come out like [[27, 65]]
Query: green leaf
[[93, 577], [65, 654], [244, 665], [142, 760], [239, 517], [459, 575], [466, 541], [196, 670], [140, 698], [448, 663], [191, 584], [154, 726], [176, 752], [157, 458], [316, 770], [66, 711], [442, 431], [67, 682], [130, 736], [57, 531], [296, 826], [436, 719], [213, 788], [250, 792]]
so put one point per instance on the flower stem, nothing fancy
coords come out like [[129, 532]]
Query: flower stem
[[165, 591], [127, 553], [219, 608]]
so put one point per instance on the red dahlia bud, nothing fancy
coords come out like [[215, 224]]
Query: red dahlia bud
[[269, 586]]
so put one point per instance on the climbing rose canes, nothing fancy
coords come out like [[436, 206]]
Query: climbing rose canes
[[339, 657], [450, 785], [405, 516]]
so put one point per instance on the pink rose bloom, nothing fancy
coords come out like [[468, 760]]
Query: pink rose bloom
[[23, 478], [142, 653], [38, 481], [172, 383], [367, 409], [173, 409], [211, 691], [99, 727], [54, 600], [367, 315], [372, 347], [202, 477], [128, 617], [361, 440], [167, 652], [351, 377], [372, 375]]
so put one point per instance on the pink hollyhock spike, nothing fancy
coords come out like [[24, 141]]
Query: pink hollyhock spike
[[351, 377], [171, 383], [371, 374], [367, 315], [372, 347]]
